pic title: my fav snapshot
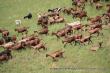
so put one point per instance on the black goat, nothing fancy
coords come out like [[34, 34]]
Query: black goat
[[29, 16]]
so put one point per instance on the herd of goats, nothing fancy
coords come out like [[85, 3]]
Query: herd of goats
[[51, 17]]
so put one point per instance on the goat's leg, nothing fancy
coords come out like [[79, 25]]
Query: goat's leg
[[61, 55], [26, 32], [65, 44], [101, 34], [70, 43], [98, 33], [75, 43], [22, 33], [39, 49], [44, 48], [54, 59]]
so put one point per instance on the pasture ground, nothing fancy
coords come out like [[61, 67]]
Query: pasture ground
[[29, 61]]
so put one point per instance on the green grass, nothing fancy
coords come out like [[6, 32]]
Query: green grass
[[28, 61]]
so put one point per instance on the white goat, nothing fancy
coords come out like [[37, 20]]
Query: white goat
[[18, 22]]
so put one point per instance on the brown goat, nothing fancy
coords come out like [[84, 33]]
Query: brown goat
[[94, 31], [96, 26], [5, 55], [72, 38], [18, 46], [96, 19], [86, 39], [99, 5], [5, 33], [32, 42], [2, 41], [55, 54], [21, 30], [68, 40], [59, 34], [8, 45], [39, 46], [42, 31]]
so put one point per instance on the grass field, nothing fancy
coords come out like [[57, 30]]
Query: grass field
[[28, 61]]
